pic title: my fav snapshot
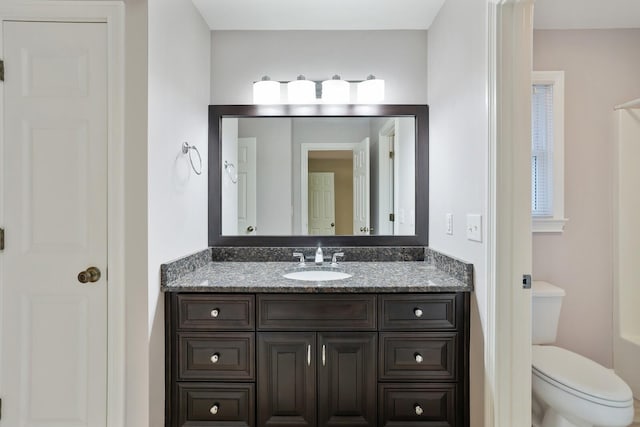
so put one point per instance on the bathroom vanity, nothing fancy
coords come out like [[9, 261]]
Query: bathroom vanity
[[385, 347]]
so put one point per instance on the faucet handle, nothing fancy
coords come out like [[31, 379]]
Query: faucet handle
[[334, 259], [300, 256]]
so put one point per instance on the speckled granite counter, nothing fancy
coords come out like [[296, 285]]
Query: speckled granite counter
[[431, 275]]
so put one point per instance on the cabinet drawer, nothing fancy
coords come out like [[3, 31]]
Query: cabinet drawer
[[216, 312], [216, 405], [417, 405], [316, 312], [418, 356], [419, 312], [216, 356]]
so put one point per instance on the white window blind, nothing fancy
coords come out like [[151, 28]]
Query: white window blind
[[542, 150]]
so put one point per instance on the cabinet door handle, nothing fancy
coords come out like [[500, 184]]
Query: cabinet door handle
[[418, 409], [214, 409], [417, 312], [215, 358], [324, 355], [215, 312], [309, 355], [418, 357]]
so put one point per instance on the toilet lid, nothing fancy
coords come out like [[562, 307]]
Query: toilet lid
[[580, 376]]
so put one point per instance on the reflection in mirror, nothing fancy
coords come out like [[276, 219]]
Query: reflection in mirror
[[324, 176]]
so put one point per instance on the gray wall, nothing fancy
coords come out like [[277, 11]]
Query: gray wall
[[458, 163], [602, 69], [238, 58], [273, 175]]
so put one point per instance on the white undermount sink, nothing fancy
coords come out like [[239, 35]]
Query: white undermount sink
[[316, 275]]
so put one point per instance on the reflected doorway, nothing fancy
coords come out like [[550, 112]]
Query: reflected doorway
[[335, 188]]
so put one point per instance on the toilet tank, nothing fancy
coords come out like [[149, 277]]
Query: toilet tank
[[546, 301]]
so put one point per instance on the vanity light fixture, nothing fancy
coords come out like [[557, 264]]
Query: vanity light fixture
[[266, 91], [301, 91], [371, 91], [335, 91], [332, 91]]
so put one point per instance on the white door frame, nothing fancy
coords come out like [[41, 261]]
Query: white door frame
[[386, 139], [111, 13], [304, 175], [508, 323]]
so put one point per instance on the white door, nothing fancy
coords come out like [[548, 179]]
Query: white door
[[386, 171], [361, 182], [322, 212], [247, 210], [53, 344]]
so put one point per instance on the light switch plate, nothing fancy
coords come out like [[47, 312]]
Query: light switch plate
[[474, 227], [449, 223]]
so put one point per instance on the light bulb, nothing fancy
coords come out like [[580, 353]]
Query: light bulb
[[371, 91], [266, 91]]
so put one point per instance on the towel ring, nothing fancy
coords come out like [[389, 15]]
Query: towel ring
[[186, 149], [231, 171]]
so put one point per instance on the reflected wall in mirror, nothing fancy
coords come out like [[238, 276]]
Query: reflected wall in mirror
[[319, 176], [296, 174]]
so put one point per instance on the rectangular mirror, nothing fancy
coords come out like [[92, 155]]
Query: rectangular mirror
[[293, 175]]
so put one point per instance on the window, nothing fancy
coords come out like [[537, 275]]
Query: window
[[547, 151]]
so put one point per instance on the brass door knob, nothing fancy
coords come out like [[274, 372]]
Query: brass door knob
[[91, 274], [333, 224], [250, 229]]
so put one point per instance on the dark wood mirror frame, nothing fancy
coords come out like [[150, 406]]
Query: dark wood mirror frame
[[421, 114]]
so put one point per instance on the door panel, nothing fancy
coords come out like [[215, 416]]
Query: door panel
[[361, 191], [322, 212], [347, 379], [54, 174], [286, 379], [247, 195]]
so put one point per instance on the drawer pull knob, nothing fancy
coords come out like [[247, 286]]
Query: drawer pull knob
[[215, 312], [417, 312], [418, 409], [418, 357], [214, 409], [215, 358]]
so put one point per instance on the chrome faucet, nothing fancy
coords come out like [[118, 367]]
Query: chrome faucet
[[334, 259], [300, 257], [319, 256]]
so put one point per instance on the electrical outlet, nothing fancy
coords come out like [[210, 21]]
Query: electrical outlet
[[449, 223], [474, 227]]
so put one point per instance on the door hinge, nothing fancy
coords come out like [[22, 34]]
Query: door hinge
[[391, 154], [392, 217], [1, 239], [526, 281], [1, 70]]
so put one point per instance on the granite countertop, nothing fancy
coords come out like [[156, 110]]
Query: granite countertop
[[380, 277]]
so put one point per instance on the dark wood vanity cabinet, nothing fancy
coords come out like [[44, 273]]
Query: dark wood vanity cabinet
[[299, 360]]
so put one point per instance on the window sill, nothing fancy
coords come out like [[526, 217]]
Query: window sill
[[548, 225]]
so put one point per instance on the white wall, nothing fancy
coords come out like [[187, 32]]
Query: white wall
[[242, 57], [229, 196], [273, 186], [179, 78], [601, 70], [458, 145]]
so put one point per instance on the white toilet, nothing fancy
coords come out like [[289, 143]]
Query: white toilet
[[568, 389]]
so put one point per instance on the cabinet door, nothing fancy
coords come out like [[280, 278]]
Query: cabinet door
[[286, 379], [347, 379]]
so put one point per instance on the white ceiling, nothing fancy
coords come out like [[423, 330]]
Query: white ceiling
[[319, 14], [584, 14], [399, 14]]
